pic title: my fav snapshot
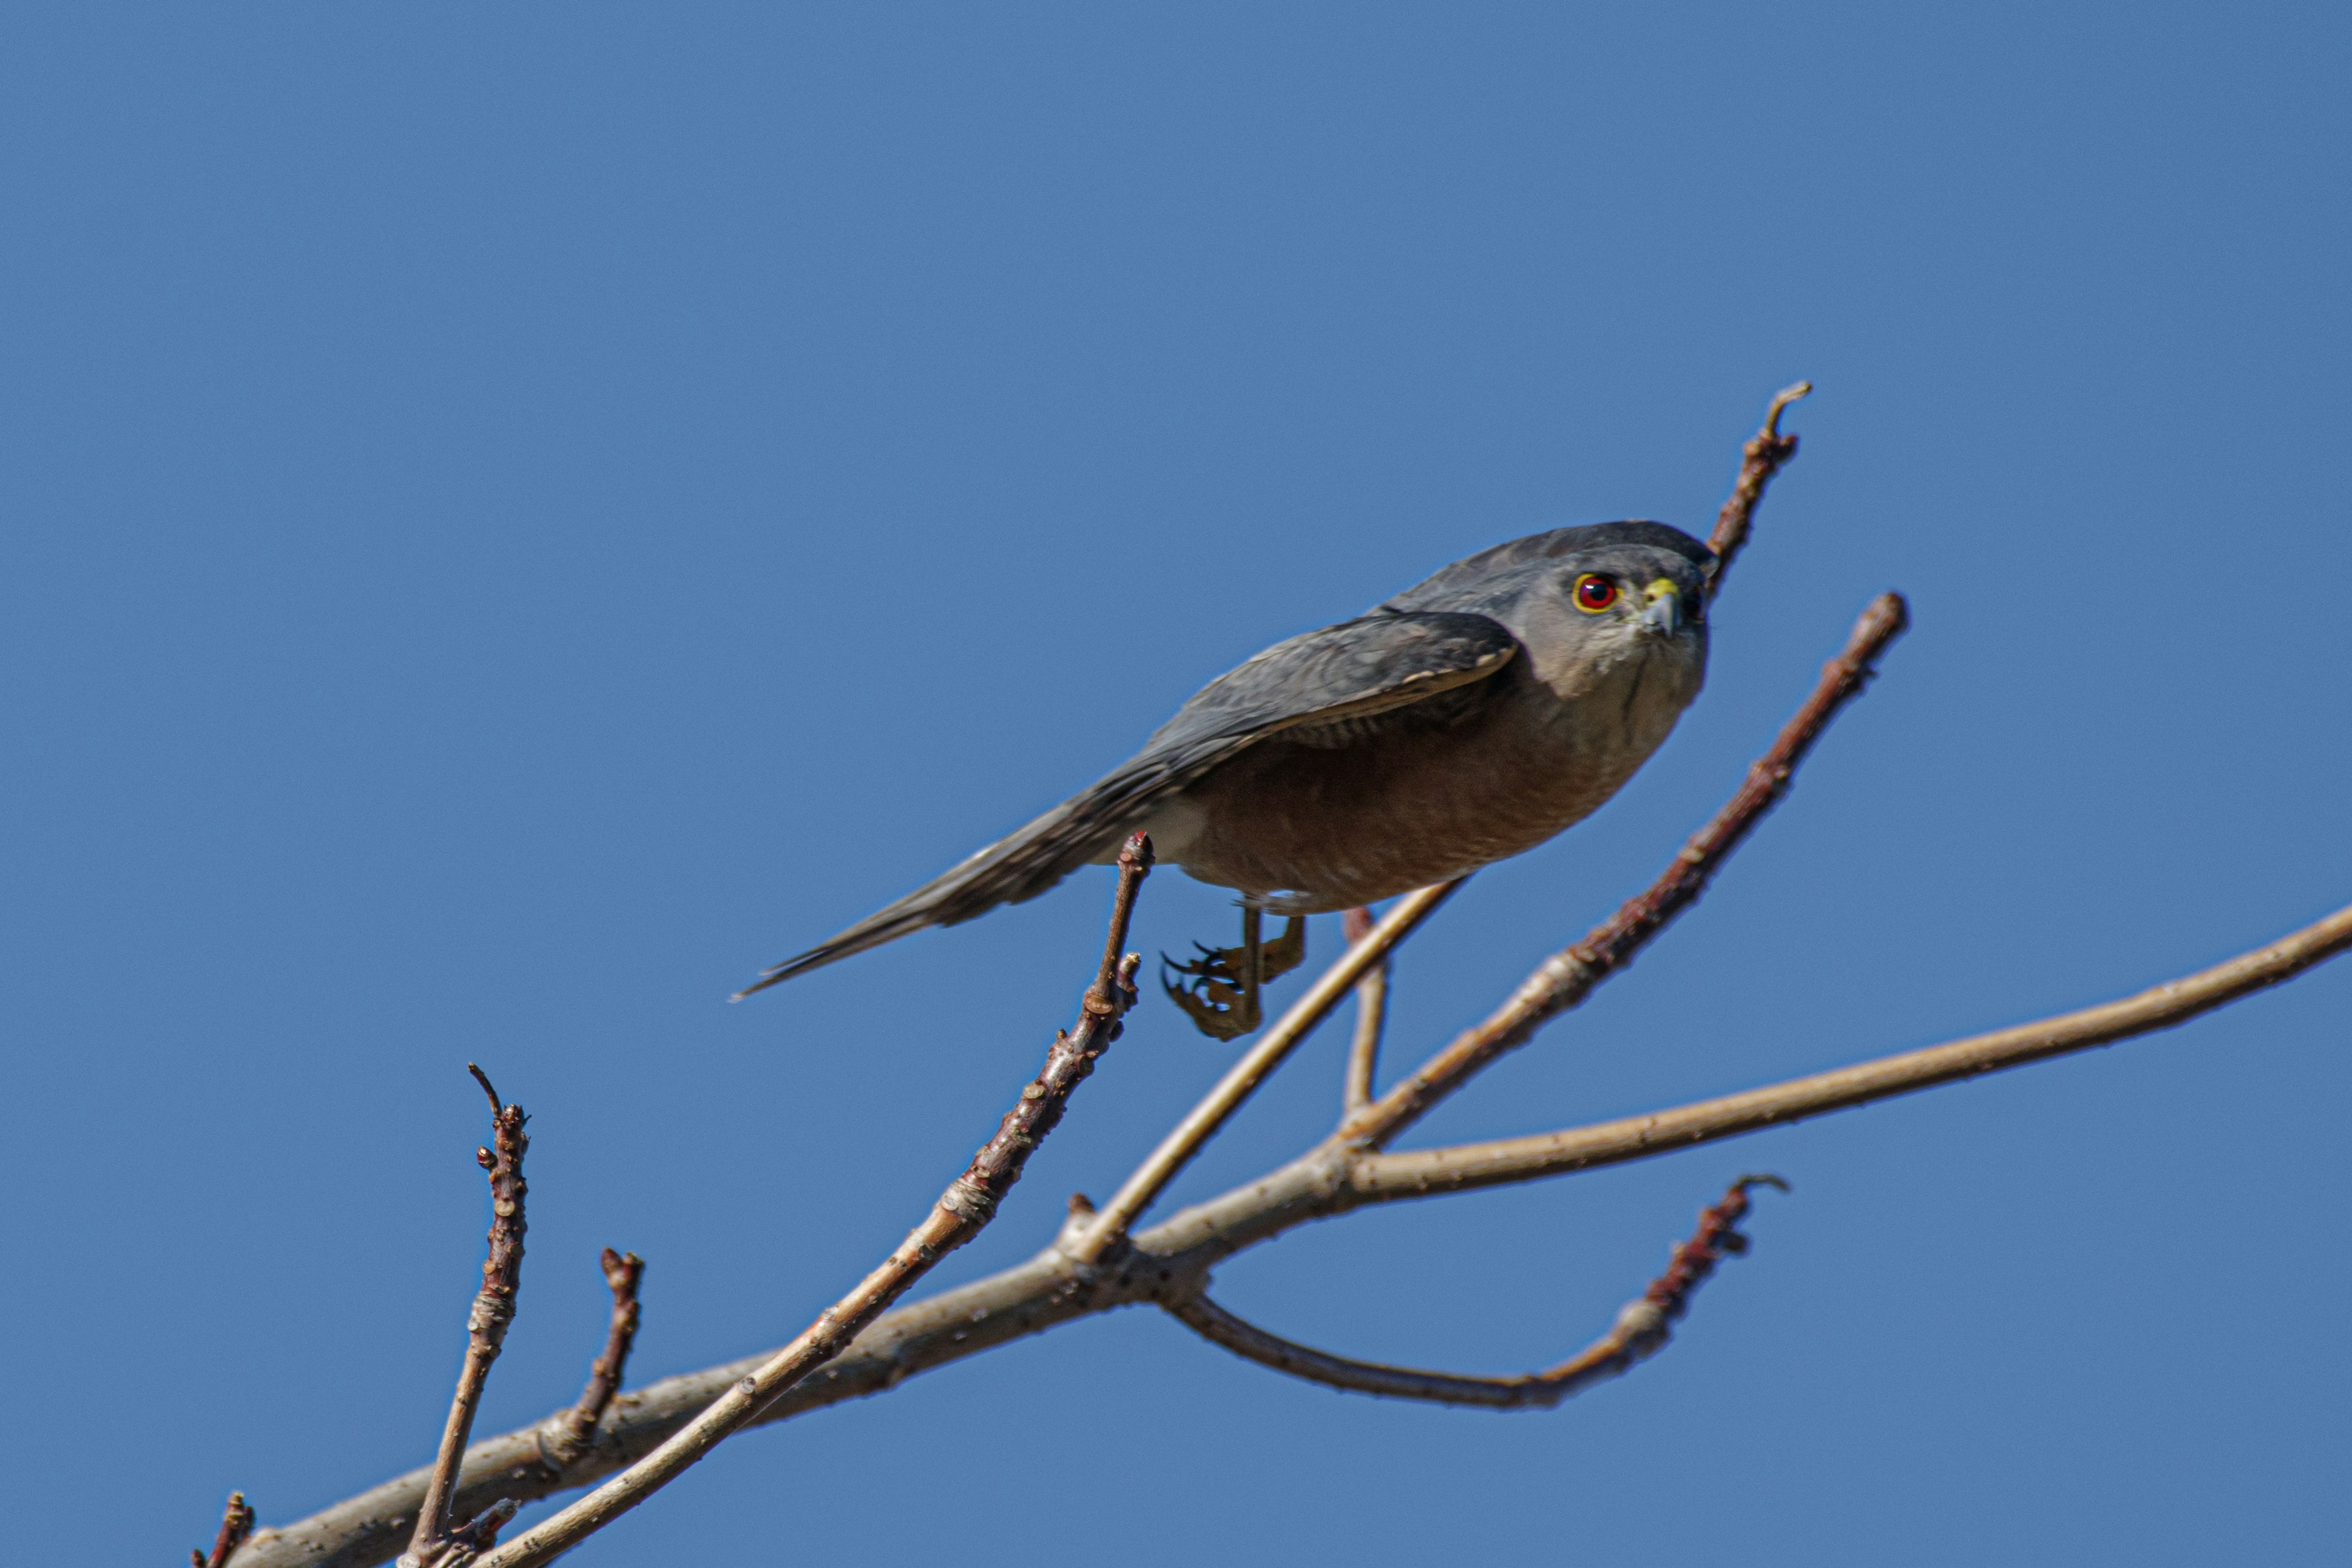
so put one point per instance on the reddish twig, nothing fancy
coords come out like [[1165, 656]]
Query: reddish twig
[[967, 1207], [570, 1434], [1371, 1018], [236, 1523], [1640, 1331], [438, 1542], [1766, 452], [1568, 977]]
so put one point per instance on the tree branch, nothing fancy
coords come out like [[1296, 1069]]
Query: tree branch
[[1564, 980], [1380, 1178], [569, 1436], [1764, 456], [1241, 1081], [436, 1540], [1371, 1018], [967, 1207], [1640, 1331]]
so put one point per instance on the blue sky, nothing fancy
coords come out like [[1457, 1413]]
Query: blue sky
[[517, 518]]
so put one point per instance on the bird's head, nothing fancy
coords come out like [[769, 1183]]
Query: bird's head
[[1614, 594]]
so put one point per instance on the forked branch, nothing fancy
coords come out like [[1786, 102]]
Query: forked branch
[[961, 1214], [1640, 1331]]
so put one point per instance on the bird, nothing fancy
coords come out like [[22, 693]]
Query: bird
[[1468, 719]]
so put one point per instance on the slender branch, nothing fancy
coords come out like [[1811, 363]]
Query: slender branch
[[1241, 1081], [570, 1434], [1766, 452], [236, 1523], [1379, 1177], [1640, 1331], [486, 1329], [1371, 1018], [966, 1207], [1565, 979]]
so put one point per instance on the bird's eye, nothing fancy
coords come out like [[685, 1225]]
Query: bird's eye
[[1593, 592]]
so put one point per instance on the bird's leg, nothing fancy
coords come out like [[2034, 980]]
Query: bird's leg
[[1223, 988], [1286, 952]]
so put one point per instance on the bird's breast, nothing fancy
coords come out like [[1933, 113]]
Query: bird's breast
[[1311, 821]]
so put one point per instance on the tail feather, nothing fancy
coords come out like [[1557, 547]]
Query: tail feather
[[1012, 870]]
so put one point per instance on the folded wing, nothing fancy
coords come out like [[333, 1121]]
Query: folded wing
[[1375, 664]]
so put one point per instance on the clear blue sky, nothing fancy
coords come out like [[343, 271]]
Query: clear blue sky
[[517, 517]]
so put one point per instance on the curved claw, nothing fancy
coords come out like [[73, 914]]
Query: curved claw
[[1212, 995]]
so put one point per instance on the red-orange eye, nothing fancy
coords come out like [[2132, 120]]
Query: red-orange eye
[[1594, 593]]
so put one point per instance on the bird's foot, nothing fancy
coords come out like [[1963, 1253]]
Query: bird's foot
[[1214, 991], [1219, 990]]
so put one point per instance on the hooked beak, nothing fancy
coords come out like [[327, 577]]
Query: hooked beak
[[1664, 613]]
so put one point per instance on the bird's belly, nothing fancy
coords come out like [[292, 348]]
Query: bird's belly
[[1307, 829]]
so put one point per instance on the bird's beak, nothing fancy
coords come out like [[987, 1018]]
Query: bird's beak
[[1664, 613]]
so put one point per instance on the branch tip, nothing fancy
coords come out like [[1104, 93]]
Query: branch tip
[[497, 1106], [1794, 392], [236, 1523]]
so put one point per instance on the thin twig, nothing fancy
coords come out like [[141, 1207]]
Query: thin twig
[[1567, 977], [486, 1328], [1380, 1178], [236, 1523], [1766, 452], [967, 1207], [1241, 1081], [1640, 1331], [1371, 1018], [570, 1434]]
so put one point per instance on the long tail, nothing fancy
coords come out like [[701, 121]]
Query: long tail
[[1013, 869]]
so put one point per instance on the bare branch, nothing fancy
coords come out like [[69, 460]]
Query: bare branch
[[569, 1436], [1241, 1081], [1566, 978], [1639, 1332], [966, 1207], [1766, 452], [236, 1523], [1371, 1018], [435, 1541], [1380, 1177]]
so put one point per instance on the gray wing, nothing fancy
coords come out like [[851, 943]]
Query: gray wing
[[1374, 664]]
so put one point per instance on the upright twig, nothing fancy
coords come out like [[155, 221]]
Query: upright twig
[[1568, 977], [1372, 1019], [236, 1523], [438, 1540], [1241, 1081], [967, 1207], [1639, 1332], [1764, 456], [570, 1434]]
